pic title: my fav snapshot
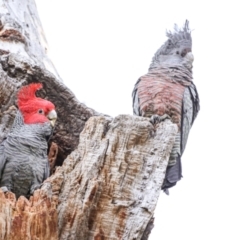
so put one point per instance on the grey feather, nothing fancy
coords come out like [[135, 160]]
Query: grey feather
[[190, 108], [173, 175], [2, 158], [187, 118], [136, 108], [24, 163]]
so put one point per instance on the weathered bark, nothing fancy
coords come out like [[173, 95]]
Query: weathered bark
[[106, 189], [110, 180]]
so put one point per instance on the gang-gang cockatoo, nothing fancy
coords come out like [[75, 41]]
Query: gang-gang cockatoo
[[23, 154], [167, 91]]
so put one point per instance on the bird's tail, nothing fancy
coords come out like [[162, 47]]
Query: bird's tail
[[173, 175]]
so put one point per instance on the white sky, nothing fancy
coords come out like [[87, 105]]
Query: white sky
[[101, 48]]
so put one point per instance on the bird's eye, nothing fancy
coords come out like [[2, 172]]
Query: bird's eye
[[184, 52], [40, 111], [177, 52]]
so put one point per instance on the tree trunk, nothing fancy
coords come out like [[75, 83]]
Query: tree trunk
[[110, 170]]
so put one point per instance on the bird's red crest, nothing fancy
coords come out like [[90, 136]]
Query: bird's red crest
[[27, 93]]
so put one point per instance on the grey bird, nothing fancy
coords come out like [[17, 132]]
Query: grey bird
[[168, 91], [24, 163]]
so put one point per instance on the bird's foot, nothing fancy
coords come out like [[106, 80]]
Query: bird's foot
[[4, 189], [157, 119]]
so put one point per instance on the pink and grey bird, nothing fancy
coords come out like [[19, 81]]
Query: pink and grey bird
[[167, 91], [23, 154]]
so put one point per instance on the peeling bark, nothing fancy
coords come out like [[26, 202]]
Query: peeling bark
[[27, 219], [110, 170]]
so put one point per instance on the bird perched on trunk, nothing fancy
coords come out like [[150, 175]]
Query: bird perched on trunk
[[167, 91], [23, 154]]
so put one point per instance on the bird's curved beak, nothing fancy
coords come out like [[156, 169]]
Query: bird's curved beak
[[190, 57], [52, 116]]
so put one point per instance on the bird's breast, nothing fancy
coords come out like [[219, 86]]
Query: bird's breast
[[159, 95]]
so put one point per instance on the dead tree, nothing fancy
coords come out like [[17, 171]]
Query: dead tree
[[109, 171]]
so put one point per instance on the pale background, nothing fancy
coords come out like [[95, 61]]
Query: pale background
[[101, 48]]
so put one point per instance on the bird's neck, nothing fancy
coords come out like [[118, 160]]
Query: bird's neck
[[171, 62]]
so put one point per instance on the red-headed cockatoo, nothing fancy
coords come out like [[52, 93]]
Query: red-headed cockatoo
[[167, 91], [23, 154]]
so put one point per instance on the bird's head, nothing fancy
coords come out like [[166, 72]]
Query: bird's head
[[34, 109], [176, 50]]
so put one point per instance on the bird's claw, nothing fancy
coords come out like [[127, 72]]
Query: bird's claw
[[157, 119]]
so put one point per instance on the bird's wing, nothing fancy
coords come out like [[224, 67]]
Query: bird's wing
[[136, 106], [41, 172], [46, 171], [195, 100], [190, 109]]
